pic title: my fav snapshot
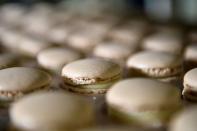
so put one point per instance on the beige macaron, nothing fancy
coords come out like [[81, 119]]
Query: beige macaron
[[115, 128], [143, 101], [85, 38], [163, 42], [129, 35], [17, 81], [113, 51], [185, 120], [190, 56], [59, 34], [51, 111], [55, 58], [90, 76], [190, 85], [159, 65], [30, 46]]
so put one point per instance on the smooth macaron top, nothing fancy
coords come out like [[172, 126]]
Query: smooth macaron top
[[112, 51], [190, 78], [152, 59], [56, 58], [51, 111], [163, 42], [191, 52], [23, 79], [185, 120], [92, 70], [143, 94]]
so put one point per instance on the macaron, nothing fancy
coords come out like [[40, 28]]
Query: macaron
[[163, 42], [113, 51], [18, 81], [115, 128], [85, 38], [143, 102], [54, 59], [51, 111], [190, 57], [8, 60], [159, 65], [59, 34], [30, 46], [90, 76], [127, 34], [190, 85], [186, 120]]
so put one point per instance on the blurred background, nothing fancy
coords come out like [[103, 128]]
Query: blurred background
[[179, 11]]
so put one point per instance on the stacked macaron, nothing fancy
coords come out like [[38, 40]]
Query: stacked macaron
[[90, 76], [158, 65]]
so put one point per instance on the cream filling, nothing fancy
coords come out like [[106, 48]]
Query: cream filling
[[86, 81], [189, 93], [99, 88], [145, 118], [156, 72]]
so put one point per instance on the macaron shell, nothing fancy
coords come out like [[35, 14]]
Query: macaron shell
[[190, 79], [164, 43], [143, 93], [56, 58], [191, 53], [113, 51], [185, 120], [95, 69], [23, 79], [150, 59], [51, 111]]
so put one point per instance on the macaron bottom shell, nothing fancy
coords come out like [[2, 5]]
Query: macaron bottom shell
[[155, 119], [189, 94], [99, 88], [9, 96]]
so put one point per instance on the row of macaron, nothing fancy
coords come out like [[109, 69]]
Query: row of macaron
[[140, 101]]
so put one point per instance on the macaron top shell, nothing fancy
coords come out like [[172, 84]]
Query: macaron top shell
[[92, 70], [23, 79], [152, 59], [113, 51], [51, 111], [56, 58], [163, 42], [185, 120], [190, 79], [191, 52], [139, 94]]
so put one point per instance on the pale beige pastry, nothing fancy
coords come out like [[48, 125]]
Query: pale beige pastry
[[190, 56], [190, 85], [163, 42], [159, 65], [90, 76], [54, 59], [51, 111], [186, 120], [143, 101], [113, 51], [18, 81], [30, 46]]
